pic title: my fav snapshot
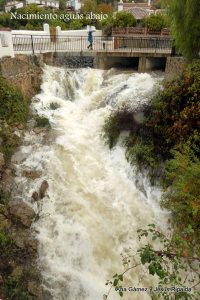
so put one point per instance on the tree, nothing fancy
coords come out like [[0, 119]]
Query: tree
[[104, 8], [62, 4], [165, 258], [89, 6], [2, 4], [156, 22], [185, 19], [124, 19]]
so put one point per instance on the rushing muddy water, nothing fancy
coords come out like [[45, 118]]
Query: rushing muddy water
[[93, 208]]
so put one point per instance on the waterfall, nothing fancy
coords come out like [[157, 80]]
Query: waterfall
[[93, 208]]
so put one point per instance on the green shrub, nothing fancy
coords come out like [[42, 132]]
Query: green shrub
[[15, 290], [156, 22], [183, 196], [118, 121], [13, 106], [160, 145], [54, 105], [124, 19], [42, 122], [4, 240], [10, 141], [75, 24]]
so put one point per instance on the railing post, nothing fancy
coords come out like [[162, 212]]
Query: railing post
[[81, 43], [32, 44], [55, 42]]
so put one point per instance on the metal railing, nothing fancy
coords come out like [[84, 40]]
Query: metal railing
[[139, 31], [39, 44]]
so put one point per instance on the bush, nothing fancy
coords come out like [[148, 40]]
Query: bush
[[183, 196], [13, 106], [75, 24], [118, 121], [9, 141], [42, 122], [15, 290], [167, 144], [54, 105], [124, 19], [106, 25], [156, 22]]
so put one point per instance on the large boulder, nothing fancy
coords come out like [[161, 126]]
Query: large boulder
[[22, 212], [43, 188], [35, 196]]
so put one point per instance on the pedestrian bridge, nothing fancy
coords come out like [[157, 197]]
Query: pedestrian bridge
[[146, 51]]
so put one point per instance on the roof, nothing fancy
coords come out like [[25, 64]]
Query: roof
[[132, 4], [139, 13]]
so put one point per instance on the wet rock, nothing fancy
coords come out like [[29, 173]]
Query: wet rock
[[7, 180], [1, 279], [3, 210], [22, 212], [34, 289], [21, 126], [20, 237], [31, 124], [39, 130], [43, 188], [31, 174], [2, 160], [4, 223], [35, 196], [18, 157], [17, 272], [32, 243]]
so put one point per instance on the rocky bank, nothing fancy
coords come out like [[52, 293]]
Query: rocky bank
[[19, 276]]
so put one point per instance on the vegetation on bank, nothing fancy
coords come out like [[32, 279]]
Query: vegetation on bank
[[185, 24], [167, 259], [18, 276], [167, 144], [14, 112]]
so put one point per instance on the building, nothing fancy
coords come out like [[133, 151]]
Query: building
[[48, 3], [74, 4], [13, 4], [139, 10], [6, 43]]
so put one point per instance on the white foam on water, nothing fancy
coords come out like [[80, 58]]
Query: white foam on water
[[93, 208]]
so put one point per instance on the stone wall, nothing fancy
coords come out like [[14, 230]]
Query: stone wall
[[22, 71], [174, 67], [68, 60]]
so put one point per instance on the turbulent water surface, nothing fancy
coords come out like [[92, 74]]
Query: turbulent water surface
[[93, 207]]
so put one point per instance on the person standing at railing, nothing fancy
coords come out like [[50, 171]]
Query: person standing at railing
[[90, 30]]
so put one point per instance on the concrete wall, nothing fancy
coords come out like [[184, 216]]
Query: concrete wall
[[66, 59], [107, 62], [174, 67], [75, 33], [151, 63], [24, 33], [6, 45]]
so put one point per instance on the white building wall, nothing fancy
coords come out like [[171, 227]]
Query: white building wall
[[75, 33], [6, 44], [13, 4], [52, 3], [22, 33]]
